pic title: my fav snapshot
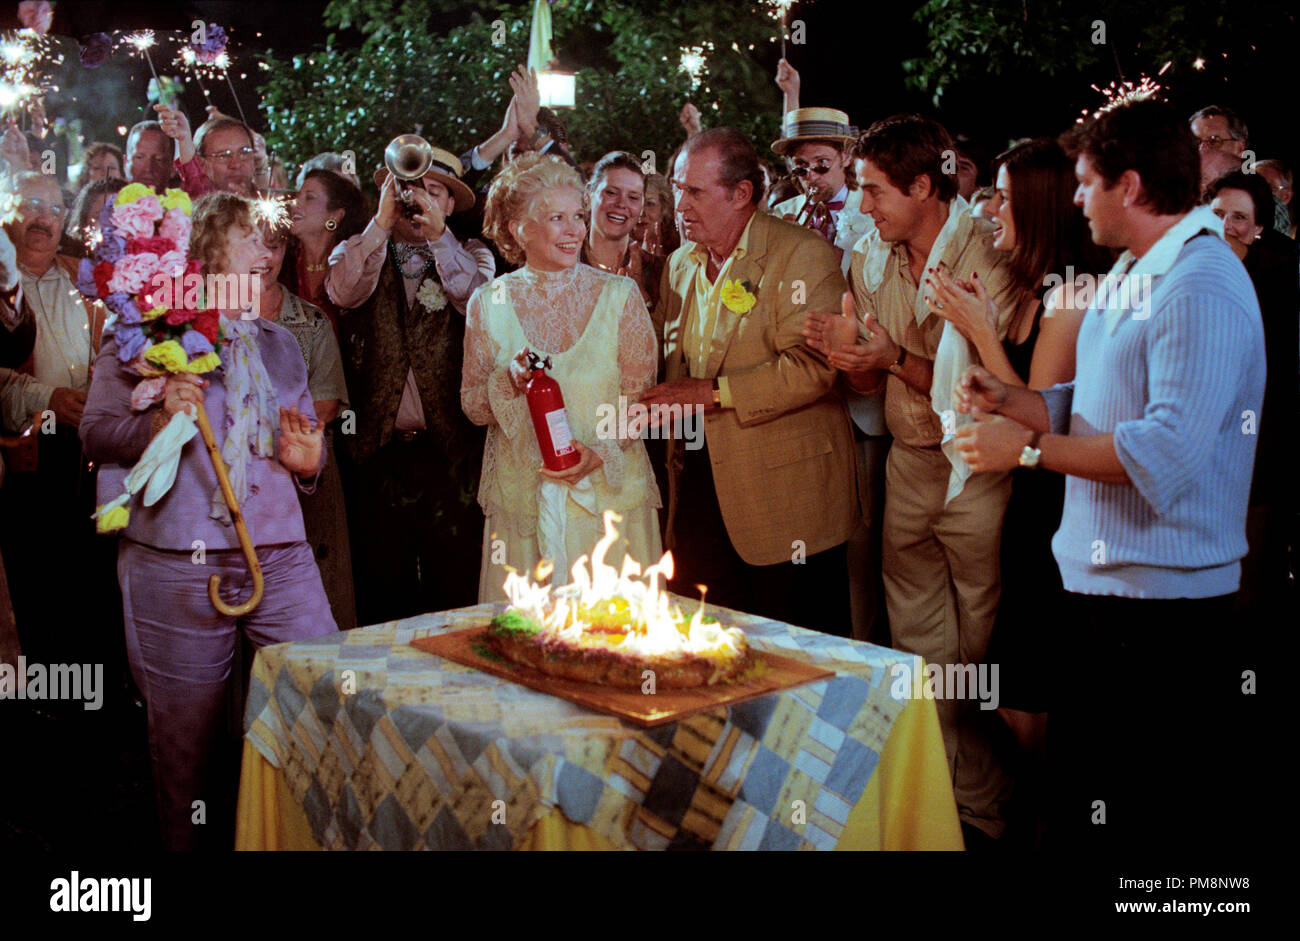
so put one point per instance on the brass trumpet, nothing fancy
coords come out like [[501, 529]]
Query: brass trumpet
[[408, 158]]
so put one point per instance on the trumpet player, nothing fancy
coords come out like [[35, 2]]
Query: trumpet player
[[402, 285]]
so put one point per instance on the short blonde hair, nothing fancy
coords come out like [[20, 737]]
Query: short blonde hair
[[214, 215], [516, 190]]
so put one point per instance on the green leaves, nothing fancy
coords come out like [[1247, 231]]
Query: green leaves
[[433, 62]]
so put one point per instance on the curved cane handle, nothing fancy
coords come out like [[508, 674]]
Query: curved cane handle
[[241, 529]]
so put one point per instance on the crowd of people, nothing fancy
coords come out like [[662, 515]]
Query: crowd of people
[[1026, 426]]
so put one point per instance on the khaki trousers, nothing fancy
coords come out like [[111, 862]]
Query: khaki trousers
[[941, 575]]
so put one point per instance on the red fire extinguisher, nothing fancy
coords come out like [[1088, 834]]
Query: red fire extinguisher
[[550, 421]]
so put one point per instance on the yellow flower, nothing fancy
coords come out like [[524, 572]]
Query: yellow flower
[[200, 364], [110, 521], [131, 192], [736, 298], [153, 314], [174, 198], [169, 355]]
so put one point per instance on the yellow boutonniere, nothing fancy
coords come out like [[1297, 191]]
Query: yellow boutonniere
[[130, 193], [736, 296]]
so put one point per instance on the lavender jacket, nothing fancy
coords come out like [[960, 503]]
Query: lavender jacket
[[115, 436]]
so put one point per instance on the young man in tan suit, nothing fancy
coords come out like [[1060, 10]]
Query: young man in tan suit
[[942, 526], [761, 511]]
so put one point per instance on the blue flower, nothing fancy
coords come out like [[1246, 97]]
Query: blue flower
[[86, 278], [130, 342], [195, 343], [122, 304], [111, 249]]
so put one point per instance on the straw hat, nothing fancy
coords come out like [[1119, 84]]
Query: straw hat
[[809, 124]]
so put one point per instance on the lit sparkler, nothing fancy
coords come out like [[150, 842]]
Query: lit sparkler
[[693, 61], [1118, 94], [21, 86], [779, 10], [142, 41], [272, 212]]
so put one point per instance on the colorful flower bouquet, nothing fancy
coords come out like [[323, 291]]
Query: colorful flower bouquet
[[139, 256]]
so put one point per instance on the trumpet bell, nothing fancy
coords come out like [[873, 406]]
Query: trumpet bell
[[408, 157]]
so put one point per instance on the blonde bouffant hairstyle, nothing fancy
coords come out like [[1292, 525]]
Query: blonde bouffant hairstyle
[[514, 195], [214, 214]]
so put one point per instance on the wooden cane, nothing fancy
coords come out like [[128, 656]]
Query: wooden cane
[[245, 541]]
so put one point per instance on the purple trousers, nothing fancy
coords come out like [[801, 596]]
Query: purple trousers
[[180, 649]]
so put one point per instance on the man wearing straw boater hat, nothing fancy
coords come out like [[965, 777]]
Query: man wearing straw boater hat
[[815, 143], [403, 284]]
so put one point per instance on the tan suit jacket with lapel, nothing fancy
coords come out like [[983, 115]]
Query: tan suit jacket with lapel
[[782, 457]]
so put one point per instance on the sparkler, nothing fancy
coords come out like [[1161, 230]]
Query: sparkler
[[779, 9], [271, 211], [142, 41], [21, 87], [693, 60], [1122, 93], [187, 59]]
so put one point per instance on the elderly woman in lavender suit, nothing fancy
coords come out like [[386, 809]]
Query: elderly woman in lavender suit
[[180, 647]]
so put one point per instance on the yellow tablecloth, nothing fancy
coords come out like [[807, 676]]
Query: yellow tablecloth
[[905, 803]]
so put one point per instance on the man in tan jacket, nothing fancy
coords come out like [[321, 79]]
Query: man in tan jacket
[[761, 512]]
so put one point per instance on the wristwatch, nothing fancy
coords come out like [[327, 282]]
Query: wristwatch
[[717, 395], [897, 366], [1031, 453]]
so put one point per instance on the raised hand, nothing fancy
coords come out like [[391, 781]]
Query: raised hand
[[690, 118], [964, 304], [787, 79], [386, 214], [827, 332], [67, 405], [979, 390], [523, 82], [176, 126], [299, 447]]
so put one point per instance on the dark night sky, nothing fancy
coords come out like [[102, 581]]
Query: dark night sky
[[852, 61]]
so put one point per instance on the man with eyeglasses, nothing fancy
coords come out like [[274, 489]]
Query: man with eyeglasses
[[1221, 137], [222, 155], [50, 334]]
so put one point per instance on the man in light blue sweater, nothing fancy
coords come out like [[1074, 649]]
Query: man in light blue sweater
[[1157, 433]]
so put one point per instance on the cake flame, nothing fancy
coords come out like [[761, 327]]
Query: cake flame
[[655, 624]]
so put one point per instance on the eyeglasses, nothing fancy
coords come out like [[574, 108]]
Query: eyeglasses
[[226, 156], [1214, 140], [820, 168], [38, 206]]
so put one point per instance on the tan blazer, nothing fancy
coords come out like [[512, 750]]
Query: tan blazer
[[783, 460]]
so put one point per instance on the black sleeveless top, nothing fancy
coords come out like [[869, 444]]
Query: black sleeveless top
[[1021, 355]]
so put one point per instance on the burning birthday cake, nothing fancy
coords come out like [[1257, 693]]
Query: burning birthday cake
[[610, 627]]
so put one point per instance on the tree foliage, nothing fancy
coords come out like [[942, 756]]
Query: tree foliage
[[432, 66], [1018, 40]]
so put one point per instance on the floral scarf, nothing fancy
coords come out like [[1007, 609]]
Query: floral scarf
[[252, 412]]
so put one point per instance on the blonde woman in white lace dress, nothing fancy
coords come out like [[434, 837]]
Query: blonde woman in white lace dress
[[596, 330]]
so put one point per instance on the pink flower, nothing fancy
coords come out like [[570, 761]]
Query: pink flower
[[132, 273], [147, 392], [136, 220], [172, 263], [176, 226]]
